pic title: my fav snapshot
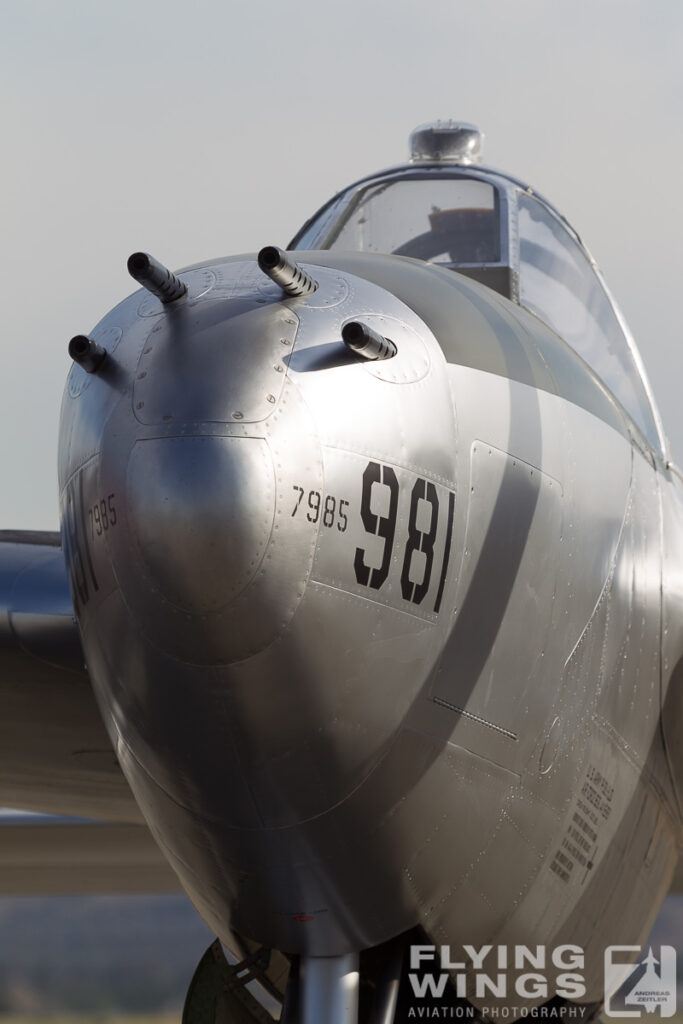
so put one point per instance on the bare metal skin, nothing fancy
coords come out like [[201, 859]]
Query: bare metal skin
[[382, 642]]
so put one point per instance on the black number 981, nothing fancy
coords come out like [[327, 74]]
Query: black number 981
[[418, 540]]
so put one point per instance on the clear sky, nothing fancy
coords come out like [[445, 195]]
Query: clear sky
[[203, 129]]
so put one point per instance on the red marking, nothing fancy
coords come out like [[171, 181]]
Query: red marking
[[302, 918]]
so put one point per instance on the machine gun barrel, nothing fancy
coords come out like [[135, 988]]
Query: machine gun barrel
[[367, 343], [284, 271], [87, 353], [155, 277]]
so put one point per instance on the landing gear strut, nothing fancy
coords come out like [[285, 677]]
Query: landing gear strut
[[323, 989], [349, 989]]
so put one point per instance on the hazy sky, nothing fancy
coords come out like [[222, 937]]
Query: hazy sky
[[204, 129]]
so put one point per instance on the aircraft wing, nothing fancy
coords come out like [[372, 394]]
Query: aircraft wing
[[43, 855], [677, 880], [55, 756]]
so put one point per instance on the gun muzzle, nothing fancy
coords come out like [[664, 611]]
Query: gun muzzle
[[155, 277], [366, 343], [285, 272], [87, 353]]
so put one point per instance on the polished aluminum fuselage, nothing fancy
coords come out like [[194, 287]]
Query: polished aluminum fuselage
[[379, 644]]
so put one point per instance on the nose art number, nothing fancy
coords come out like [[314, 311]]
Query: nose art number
[[418, 539]]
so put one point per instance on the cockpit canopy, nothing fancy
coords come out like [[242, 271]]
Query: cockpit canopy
[[441, 220], [493, 228], [453, 221]]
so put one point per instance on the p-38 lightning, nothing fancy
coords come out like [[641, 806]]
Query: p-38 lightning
[[374, 554]]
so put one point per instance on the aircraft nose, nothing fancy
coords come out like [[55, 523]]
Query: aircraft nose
[[207, 562], [205, 463], [200, 513]]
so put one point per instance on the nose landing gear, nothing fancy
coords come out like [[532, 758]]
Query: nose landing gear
[[319, 989]]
